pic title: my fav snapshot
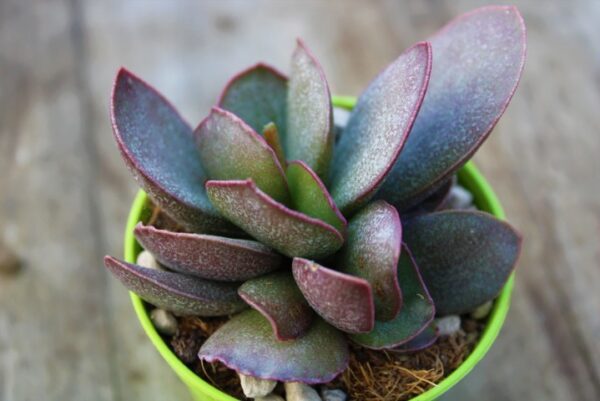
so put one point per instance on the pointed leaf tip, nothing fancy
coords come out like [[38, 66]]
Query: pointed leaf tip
[[465, 257], [178, 293], [258, 96], [371, 252], [277, 297], [247, 345], [344, 301], [231, 150], [477, 63], [288, 231], [207, 256], [378, 128], [310, 116], [157, 146]]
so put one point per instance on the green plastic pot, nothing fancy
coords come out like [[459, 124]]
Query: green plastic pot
[[468, 176]]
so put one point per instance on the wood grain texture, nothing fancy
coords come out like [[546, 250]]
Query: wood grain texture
[[67, 330]]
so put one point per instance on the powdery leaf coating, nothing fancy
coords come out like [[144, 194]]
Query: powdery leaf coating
[[378, 128], [231, 150], [310, 196], [257, 96], [247, 345], [285, 230], [344, 301], [465, 257], [424, 340], [371, 252], [278, 298], [477, 63], [310, 116], [436, 201], [175, 292], [415, 316], [208, 256], [158, 148]]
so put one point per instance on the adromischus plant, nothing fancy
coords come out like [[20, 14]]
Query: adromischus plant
[[322, 238]]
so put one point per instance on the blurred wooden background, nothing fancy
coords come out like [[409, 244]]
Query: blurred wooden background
[[67, 330]]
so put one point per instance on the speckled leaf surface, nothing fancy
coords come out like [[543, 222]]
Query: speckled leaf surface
[[207, 256], [415, 316], [310, 196], [231, 150], [247, 345], [477, 63], [157, 146], [465, 257], [424, 340], [257, 96], [344, 301], [175, 292], [371, 252], [433, 202], [285, 230], [278, 298], [378, 128], [310, 117]]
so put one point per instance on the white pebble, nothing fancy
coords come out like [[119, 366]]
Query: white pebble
[[270, 397], [255, 387], [146, 259], [333, 395], [459, 198], [482, 311], [295, 391], [164, 321], [448, 325]]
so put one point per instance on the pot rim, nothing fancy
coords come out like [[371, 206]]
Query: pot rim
[[485, 199]]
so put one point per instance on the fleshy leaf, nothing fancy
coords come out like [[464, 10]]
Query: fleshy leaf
[[176, 292], [278, 298], [289, 232], [231, 150], [424, 340], [158, 147], [271, 135], [247, 345], [465, 257], [477, 63], [310, 196], [310, 117], [416, 314], [378, 128], [344, 301], [207, 256], [433, 202], [257, 96], [371, 252]]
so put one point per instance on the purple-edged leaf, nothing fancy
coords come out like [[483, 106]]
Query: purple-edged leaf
[[433, 202], [477, 63], [289, 232], [310, 196], [175, 292], [247, 345], [465, 257], [344, 301], [378, 128], [231, 150], [310, 117], [207, 256], [278, 298], [257, 96], [158, 147], [424, 340], [371, 252], [416, 314]]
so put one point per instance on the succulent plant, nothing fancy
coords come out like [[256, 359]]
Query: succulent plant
[[309, 238]]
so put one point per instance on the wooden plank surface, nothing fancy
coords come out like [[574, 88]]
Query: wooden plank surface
[[67, 331]]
